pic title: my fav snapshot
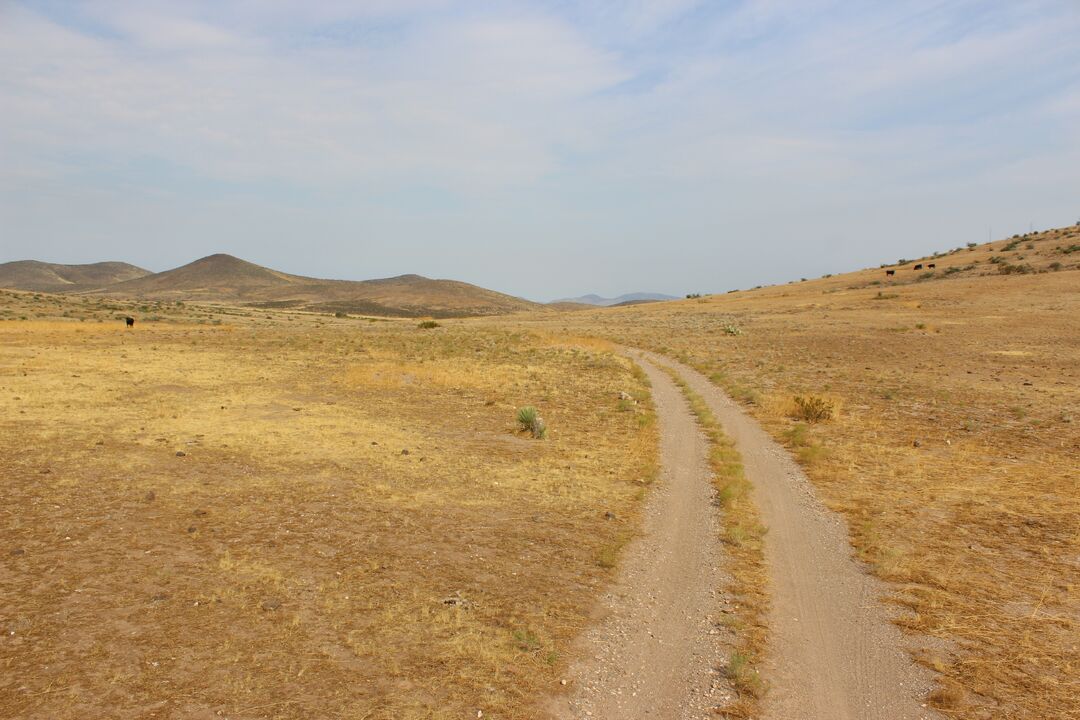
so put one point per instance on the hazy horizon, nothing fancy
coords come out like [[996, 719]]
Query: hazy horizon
[[541, 149]]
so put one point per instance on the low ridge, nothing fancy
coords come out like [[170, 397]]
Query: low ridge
[[224, 278], [38, 276]]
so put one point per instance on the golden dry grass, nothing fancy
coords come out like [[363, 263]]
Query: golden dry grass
[[208, 520], [953, 453]]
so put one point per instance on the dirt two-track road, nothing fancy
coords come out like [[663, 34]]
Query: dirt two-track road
[[657, 652]]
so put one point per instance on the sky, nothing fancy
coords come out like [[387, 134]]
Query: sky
[[544, 149]]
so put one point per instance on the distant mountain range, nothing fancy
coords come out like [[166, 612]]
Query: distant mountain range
[[628, 299], [224, 278]]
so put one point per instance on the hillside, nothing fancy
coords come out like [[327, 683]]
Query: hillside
[[223, 278], [55, 278], [948, 436]]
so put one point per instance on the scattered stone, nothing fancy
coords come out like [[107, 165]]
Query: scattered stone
[[199, 513], [609, 515], [150, 496], [270, 604], [192, 529], [916, 444], [17, 551], [160, 597], [180, 453], [456, 600], [46, 471], [405, 451]]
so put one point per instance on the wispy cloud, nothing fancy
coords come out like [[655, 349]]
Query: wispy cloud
[[672, 146]]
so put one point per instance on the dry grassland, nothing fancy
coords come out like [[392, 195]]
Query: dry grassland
[[292, 516], [953, 450]]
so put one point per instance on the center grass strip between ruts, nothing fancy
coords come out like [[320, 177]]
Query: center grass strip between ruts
[[745, 560]]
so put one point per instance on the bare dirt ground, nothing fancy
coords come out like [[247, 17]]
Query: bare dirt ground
[[657, 647], [833, 652]]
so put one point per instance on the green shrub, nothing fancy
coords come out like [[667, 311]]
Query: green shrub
[[528, 419]]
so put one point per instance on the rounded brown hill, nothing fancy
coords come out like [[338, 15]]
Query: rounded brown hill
[[224, 278], [38, 276]]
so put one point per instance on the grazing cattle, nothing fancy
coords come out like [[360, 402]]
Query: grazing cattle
[[919, 266], [931, 266], [890, 272], [129, 321]]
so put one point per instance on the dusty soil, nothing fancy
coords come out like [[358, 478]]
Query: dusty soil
[[657, 648], [833, 652]]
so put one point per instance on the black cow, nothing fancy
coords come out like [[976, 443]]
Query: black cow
[[890, 272], [919, 266], [130, 321], [931, 266]]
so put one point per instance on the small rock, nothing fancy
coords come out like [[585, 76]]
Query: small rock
[[199, 513], [180, 453], [609, 515], [17, 551], [916, 444], [456, 600], [191, 529], [150, 496], [159, 597], [405, 451], [374, 443], [270, 604]]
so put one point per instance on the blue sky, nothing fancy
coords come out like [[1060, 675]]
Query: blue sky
[[544, 149]]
